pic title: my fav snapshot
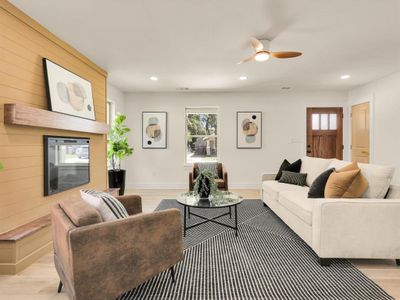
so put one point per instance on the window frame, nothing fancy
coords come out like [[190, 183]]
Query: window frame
[[205, 110], [110, 112]]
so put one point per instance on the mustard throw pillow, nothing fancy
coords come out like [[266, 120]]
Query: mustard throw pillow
[[339, 182], [359, 185]]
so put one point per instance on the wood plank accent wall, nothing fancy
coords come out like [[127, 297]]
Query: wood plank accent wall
[[23, 44]]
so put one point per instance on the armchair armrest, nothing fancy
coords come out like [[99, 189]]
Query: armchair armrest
[[132, 203], [267, 176], [126, 251], [356, 228], [225, 177], [191, 180]]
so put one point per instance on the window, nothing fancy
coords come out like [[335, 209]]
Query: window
[[324, 121], [110, 111], [201, 135]]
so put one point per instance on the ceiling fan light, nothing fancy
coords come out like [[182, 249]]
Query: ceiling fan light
[[261, 56]]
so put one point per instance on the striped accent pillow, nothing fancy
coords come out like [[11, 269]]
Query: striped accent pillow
[[108, 206], [293, 178]]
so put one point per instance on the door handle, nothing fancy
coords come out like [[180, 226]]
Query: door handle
[[364, 152]]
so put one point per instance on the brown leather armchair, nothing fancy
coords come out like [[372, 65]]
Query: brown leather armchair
[[222, 180], [102, 260]]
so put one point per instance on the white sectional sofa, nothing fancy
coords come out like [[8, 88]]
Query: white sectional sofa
[[341, 228]]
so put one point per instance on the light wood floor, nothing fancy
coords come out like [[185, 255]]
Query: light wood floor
[[40, 280]]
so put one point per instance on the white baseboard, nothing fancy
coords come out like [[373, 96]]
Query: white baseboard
[[183, 186]]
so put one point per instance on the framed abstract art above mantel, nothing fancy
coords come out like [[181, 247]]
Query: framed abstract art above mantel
[[67, 92], [154, 130], [249, 129]]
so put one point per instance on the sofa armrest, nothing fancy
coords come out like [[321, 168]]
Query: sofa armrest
[[127, 251], [267, 176], [356, 228], [132, 203]]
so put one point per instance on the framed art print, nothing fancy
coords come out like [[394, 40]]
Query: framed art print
[[67, 92], [154, 130], [249, 129]]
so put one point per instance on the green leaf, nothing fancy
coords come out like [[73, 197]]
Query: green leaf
[[118, 146]]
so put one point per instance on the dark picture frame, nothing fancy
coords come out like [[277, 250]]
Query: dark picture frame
[[158, 124], [254, 121], [67, 92]]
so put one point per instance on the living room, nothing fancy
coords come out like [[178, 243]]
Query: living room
[[210, 150]]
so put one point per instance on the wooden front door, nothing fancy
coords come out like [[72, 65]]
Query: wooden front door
[[360, 133], [325, 132]]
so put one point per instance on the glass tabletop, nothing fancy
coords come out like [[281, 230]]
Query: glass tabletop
[[215, 200]]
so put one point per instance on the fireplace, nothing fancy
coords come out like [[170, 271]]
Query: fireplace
[[66, 163]]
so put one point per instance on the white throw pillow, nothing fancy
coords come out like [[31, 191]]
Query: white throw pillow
[[313, 167], [379, 179], [108, 207]]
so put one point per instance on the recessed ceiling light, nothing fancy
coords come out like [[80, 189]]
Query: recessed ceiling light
[[285, 88], [153, 78], [243, 77], [345, 76]]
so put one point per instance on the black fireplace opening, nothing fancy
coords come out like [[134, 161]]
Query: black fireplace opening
[[66, 163]]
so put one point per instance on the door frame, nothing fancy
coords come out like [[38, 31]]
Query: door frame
[[370, 98]]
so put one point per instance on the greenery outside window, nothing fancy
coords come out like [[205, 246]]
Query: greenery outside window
[[201, 135]]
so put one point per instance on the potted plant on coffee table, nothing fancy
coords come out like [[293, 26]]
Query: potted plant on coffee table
[[118, 148], [205, 184]]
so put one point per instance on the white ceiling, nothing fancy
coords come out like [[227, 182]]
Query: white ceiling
[[196, 43]]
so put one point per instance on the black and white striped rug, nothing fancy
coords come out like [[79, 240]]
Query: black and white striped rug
[[267, 261]]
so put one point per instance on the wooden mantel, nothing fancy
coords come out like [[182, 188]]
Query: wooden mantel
[[18, 114]]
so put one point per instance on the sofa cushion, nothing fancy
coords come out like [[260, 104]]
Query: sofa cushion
[[313, 167], [287, 166], [378, 177], [108, 206], [338, 164], [339, 183], [272, 188], [293, 178], [298, 204], [79, 212], [359, 184], [317, 188]]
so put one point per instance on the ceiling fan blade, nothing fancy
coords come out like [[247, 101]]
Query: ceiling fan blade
[[285, 54], [256, 44], [247, 59]]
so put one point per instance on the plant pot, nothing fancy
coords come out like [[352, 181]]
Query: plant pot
[[116, 179]]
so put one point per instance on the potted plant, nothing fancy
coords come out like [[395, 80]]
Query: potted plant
[[118, 148], [205, 184]]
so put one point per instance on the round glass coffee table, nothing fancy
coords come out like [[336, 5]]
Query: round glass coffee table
[[217, 200]]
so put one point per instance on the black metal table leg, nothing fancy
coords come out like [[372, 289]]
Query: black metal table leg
[[188, 212], [236, 221], [184, 220], [230, 212]]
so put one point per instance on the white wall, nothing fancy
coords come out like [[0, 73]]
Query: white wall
[[386, 120], [117, 97], [284, 134]]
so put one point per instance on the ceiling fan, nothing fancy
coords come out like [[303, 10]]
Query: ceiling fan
[[263, 55]]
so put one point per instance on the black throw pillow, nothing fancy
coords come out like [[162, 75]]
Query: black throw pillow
[[293, 178], [287, 166], [317, 188]]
